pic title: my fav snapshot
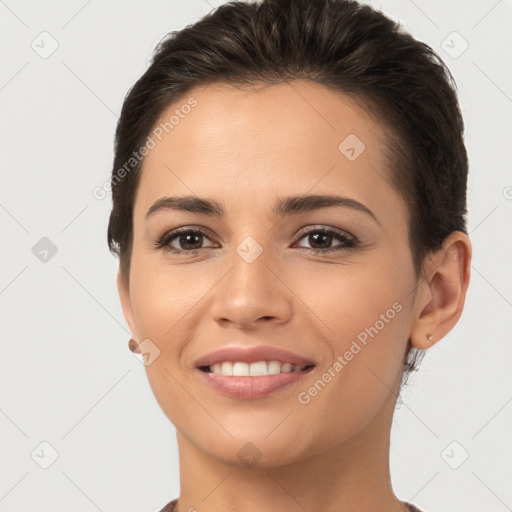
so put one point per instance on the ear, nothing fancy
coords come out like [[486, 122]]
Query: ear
[[126, 303], [441, 291]]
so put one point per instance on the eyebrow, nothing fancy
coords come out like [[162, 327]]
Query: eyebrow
[[284, 206]]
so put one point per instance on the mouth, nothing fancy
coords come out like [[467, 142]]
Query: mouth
[[250, 381], [252, 372]]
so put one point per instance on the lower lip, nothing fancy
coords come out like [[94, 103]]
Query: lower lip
[[249, 388]]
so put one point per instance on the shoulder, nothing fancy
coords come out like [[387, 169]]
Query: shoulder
[[410, 508], [171, 506]]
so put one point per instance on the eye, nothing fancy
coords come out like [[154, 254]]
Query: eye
[[322, 238], [190, 241]]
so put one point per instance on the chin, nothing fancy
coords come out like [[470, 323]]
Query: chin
[[256, 455]]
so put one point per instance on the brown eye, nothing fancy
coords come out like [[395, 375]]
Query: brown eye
[[321, 240], [183, 241]]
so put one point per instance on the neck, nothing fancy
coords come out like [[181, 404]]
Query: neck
[[349, 477]]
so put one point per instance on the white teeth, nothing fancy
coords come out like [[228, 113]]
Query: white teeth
[[240, 369], [227, 368], [259, 368], [287, 368], [274, 367]]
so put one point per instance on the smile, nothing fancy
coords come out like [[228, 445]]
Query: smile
[[252, 381], [252, 372]]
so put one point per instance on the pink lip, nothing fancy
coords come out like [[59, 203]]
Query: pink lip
[[251, 387], [252, 355]]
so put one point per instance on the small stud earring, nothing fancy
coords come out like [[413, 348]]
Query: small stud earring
[[132, 345], [429, 337]]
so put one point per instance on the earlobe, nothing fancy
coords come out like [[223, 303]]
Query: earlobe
[[126, 304], [423, 340], [442, 291]]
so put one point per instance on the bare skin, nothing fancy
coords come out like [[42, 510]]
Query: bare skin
[[245, 149]]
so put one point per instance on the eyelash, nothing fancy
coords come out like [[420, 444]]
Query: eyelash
[[349, 242]]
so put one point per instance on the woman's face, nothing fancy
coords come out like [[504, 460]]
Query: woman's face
[[253, 279]]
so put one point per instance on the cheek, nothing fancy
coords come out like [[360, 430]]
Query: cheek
[[164, 298], [168, 306], [163, 308], [365, 315], [354, 302]]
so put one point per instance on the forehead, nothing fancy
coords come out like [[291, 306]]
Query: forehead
[[279, 139], [281, 117]]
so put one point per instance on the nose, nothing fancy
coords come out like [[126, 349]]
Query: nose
[[252, 295]]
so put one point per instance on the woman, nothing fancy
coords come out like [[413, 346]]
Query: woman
[[289, 201]]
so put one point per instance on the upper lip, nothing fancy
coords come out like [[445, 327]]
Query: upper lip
[[252, 355]]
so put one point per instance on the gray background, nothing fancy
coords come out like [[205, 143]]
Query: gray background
[[67, 376]]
